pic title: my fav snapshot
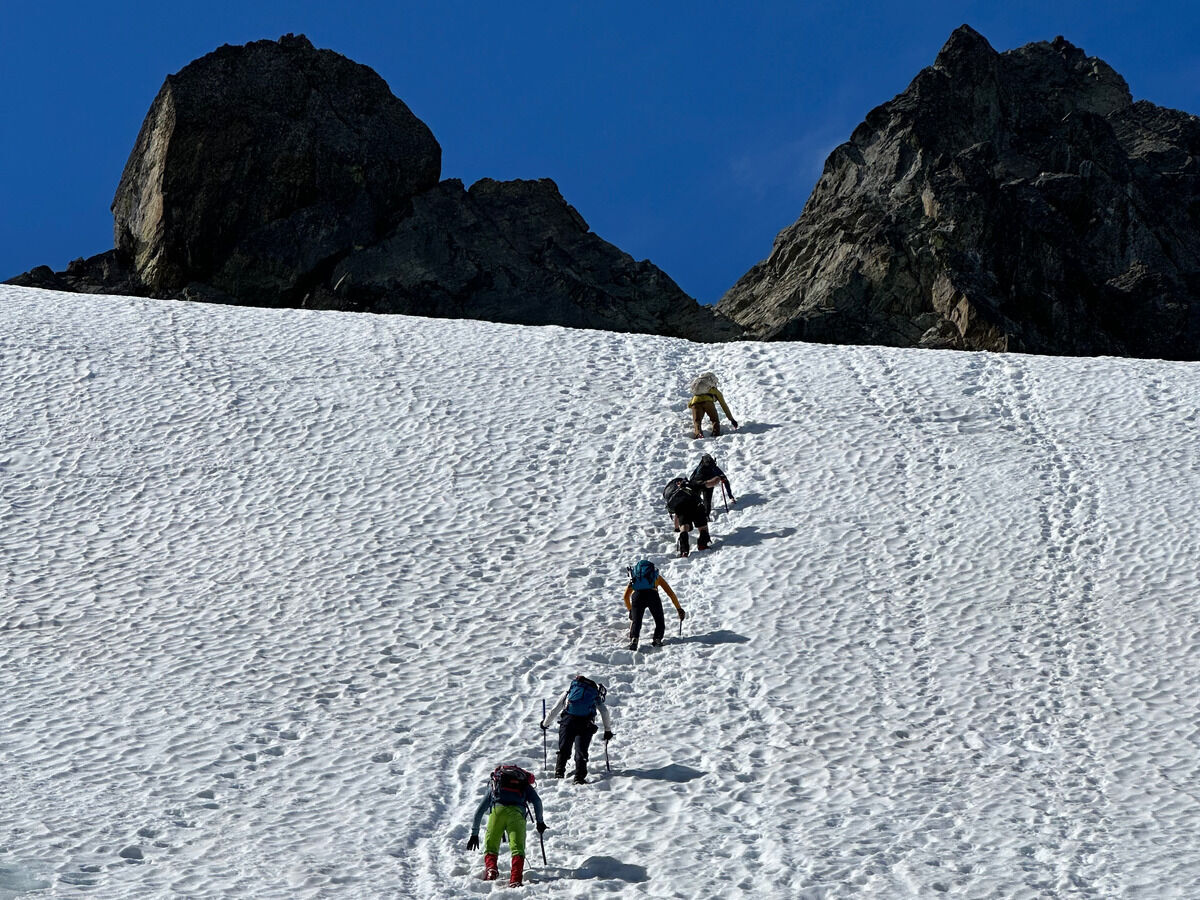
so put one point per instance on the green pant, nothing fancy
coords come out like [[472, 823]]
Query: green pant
[[505, 818]]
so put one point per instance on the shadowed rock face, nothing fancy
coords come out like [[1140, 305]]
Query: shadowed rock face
[[1004, 201], [275, 174], [257, 165], [513, 251]]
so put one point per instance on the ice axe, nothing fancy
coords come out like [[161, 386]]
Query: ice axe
[[725, 498], [545, 762], [540, 840]]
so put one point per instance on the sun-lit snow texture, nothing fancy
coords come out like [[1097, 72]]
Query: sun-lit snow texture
[[279, 588]]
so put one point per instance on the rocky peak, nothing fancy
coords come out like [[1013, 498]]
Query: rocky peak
[[257, 164], [1015, 200], [963, 51], [277, 174]]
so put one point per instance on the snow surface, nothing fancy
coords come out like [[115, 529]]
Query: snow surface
[[279, 588]]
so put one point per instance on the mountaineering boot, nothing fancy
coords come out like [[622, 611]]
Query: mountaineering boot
[[518, 870], [704, 541], [633, 642], [580, 772], [560, 766], [490, 870], [683, 543]]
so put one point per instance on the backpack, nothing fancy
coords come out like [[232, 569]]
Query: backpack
[[678, 493], [583, 695], [643, 576], [703, 384], [508, 785]]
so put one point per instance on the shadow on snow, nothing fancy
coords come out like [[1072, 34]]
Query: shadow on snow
[[598, 867], [757, 427], [748, 536], [713, 637], [744, 501], [674, 772]]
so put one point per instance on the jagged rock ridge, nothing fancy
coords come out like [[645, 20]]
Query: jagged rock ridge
[[1004, 201], [276, 174]]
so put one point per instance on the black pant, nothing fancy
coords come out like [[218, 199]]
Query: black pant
[[692, 515], [642, 601], [577, 731]]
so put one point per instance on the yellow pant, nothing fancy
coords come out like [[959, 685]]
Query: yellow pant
[[700, 409]]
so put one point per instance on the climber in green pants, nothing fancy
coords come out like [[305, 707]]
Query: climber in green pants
[[509, 790]]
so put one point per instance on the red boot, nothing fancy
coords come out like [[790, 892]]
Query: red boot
[[490, 871], [518, 870]]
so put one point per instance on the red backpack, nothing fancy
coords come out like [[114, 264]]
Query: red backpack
[[509, 783]]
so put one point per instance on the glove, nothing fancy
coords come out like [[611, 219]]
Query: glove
[[608, 735], [542, 725], [733, 423], [473, 842], [541, 826], [682, 615]]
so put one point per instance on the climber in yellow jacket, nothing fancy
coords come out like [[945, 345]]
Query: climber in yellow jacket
[[705, 397]]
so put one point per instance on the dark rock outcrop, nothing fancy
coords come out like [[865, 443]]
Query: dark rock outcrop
[[257, 166], [106, 273], [1004, 201], [511, 251], [276, 174]]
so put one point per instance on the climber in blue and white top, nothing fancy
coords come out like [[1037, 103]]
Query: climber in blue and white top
[[578, 704]]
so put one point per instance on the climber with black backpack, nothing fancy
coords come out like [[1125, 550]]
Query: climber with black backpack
[[578, 705], [685, 502], [506, 801], [641, 594]]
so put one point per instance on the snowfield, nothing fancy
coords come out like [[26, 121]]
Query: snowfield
[[278, 589]]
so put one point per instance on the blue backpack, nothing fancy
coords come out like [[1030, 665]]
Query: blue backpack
[[643, 576], [583, 695]]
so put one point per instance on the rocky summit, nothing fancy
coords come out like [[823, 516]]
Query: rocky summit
[[1005, 201], [277, 174]]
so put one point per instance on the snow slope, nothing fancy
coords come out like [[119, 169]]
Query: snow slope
[[279, 588]]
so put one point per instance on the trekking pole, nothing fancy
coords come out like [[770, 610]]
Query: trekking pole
[[607, 767], [545, 763]]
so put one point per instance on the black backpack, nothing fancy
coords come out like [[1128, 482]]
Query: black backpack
[[679, 494]]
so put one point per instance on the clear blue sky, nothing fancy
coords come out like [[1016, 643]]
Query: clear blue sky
[[686, 133]]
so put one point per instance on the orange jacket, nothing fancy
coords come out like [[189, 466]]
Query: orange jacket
[[660, 583]]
